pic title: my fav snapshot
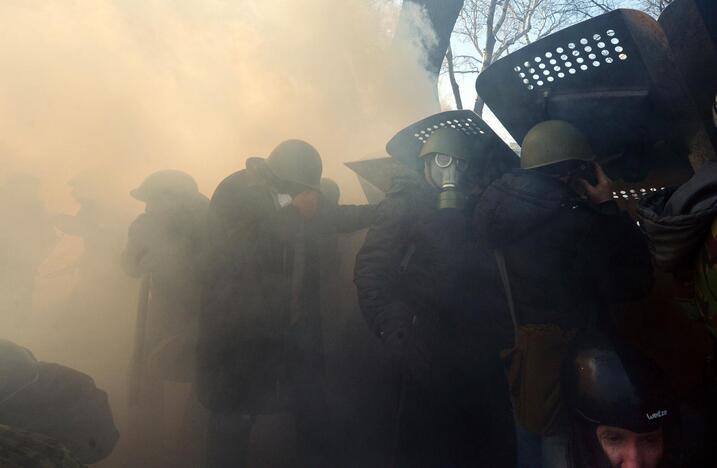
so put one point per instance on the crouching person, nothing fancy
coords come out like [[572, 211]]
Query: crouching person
[[50, 415]]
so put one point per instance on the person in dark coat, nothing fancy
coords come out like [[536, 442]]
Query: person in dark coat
[[164, 246], [568, 255], [259, 349], [421, 279]]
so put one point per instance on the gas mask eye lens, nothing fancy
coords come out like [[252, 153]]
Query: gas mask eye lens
[[443, 160]]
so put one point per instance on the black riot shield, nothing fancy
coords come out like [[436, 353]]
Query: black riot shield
[[613, 77], [494, 157], [691, 28]]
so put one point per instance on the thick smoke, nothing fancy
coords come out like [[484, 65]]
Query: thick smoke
[[106, 92]]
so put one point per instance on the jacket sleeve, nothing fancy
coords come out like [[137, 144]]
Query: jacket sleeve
[[619, 253], [378, 264], [351, 218], [136, 247]]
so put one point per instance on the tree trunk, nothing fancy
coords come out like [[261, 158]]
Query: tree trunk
[[452, 78]]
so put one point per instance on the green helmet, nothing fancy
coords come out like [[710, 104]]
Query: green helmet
[[449, 141], [330, 190], [297, 162], [552, 142], [169, 181]]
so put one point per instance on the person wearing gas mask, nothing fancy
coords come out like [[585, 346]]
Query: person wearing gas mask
[[620, 408], [566, 254], [260, 343], [163, 248], [420, 279]]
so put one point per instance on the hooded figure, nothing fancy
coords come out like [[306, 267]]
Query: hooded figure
[[422, 285], [259, 349], [566, 254]]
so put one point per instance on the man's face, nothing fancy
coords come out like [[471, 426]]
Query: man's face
[[627, 449]]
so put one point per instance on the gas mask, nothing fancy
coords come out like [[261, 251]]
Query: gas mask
[[447, 173]]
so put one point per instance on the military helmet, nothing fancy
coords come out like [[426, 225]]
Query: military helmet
[[605, 383], [552, 142], [330, 190], [449, 141], [297, 162], [168, 182], [18, 369]]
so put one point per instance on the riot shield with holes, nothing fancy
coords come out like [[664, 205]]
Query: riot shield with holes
[[488, 155], [691, 28], [612, 77]]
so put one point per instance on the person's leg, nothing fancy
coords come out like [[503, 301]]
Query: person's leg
[[554, 451], [227, 444], [529, 450]]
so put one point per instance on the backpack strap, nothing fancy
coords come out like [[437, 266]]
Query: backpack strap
[[503, 271]]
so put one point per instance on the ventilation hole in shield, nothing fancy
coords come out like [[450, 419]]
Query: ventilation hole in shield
[[601, 45], [609, 60], [596, 64], [623, 56], [541, 66], [592, 56], [561, 75], [522, 75], [560, 50], [538, 59], [526, 64], [580, 60], [605, 52], [517, 69], [546, 72], [531, 87], [553, 61], [571, 45], [610, 32], [583, 67], [532, 70], [551, 79], [597, 37], [540, 83], [619, 49], [549, 54], [588, 49], [576, 53], [535, 77], [615, 40], [556, 68], [564, 57], [568, 64], [583, 41], [572, 71]]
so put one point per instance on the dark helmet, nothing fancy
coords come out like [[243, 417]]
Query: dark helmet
[[165, 182], [608, 383], [18, 369], [330, 190], [296, 162]]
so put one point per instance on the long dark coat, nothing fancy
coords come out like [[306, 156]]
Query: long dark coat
[[260, 330]]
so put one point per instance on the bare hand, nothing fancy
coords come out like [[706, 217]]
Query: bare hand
[[602, 191], [307, 203]]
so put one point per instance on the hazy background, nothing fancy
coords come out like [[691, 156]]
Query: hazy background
[[113, 90]]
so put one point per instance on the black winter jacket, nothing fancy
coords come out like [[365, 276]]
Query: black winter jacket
[[566, 259]]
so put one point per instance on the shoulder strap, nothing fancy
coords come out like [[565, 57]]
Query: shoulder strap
[[503, 271]]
